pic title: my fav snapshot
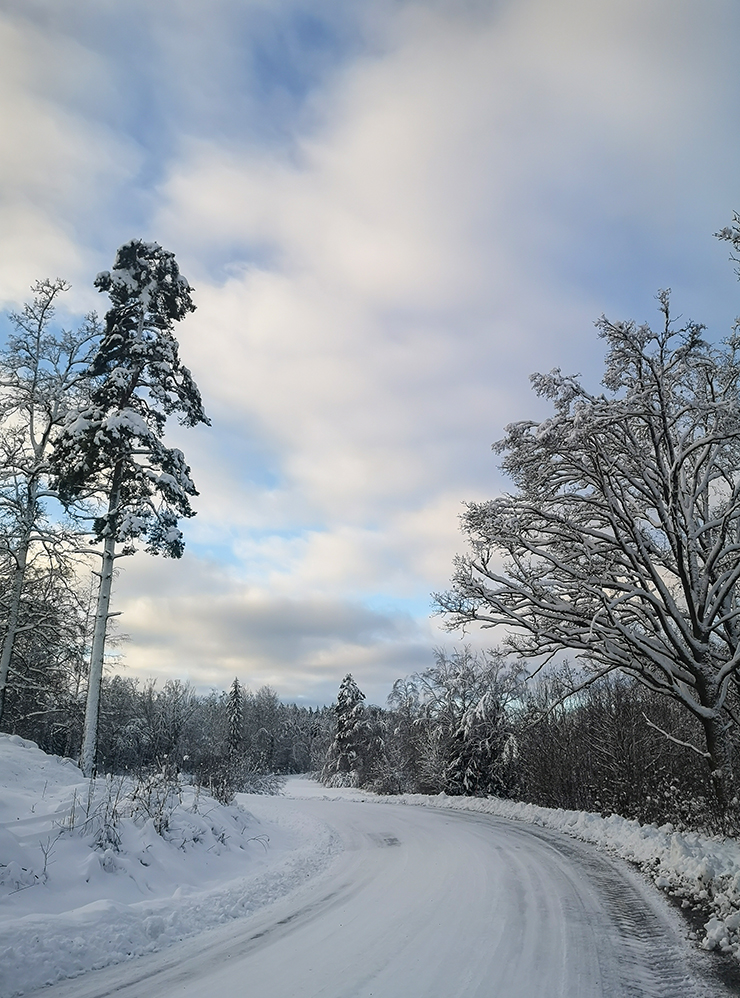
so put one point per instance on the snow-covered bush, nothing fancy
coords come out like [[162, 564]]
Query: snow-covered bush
[[226, 778]]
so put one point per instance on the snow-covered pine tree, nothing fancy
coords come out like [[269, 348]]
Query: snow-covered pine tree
[[235, 718], [42, 373], [111, 451], [346, 752]]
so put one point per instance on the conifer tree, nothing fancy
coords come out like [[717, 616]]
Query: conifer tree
[[346, 752], [111, 451], [235, 715]]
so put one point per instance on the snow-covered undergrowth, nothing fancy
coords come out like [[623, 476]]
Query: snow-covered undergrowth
[[95, 873], [702, 872]]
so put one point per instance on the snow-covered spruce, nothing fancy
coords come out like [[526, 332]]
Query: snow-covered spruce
[[357, 743]]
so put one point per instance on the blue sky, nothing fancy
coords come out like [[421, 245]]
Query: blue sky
[[392, 212]]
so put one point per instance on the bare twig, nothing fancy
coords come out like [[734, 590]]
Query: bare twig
[[676, 741]]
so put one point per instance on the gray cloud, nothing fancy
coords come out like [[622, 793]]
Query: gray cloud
[[388, 228], [195, 624]]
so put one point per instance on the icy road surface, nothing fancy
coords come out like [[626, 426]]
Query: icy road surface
[[434, 904]]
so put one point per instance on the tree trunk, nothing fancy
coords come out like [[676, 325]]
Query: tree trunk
[[716, 732], [97, 653], [16, 593]]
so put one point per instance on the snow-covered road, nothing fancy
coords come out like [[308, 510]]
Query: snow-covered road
[[433, 903]]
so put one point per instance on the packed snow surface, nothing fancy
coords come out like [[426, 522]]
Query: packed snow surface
[[701, 871], [325, 892], [91, 874]]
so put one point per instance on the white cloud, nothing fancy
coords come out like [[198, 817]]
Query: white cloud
[[194, 623], [397, 282], [59, 168], [382, 252]]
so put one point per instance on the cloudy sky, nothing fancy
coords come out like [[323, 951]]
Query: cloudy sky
[[392, 212]]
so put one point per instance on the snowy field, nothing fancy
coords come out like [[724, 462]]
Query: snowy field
[[71, 899], [88, 883]]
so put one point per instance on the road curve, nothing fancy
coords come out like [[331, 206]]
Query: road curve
[[434, 904]]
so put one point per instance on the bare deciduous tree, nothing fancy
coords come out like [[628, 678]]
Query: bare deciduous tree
[[42, 374], [622, 538]]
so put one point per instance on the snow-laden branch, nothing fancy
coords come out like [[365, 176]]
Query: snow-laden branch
[[621, 540]]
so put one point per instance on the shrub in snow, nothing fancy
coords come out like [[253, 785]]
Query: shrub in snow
[[108, 815], [349, 778], [225, 778]]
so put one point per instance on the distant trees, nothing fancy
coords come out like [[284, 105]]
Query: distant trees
[[110, 451], [218, 739], [446, 729], [474, 724], [451, 723], [622, 539], [594, 751]]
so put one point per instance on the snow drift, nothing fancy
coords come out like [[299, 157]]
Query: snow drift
[[96, 872]]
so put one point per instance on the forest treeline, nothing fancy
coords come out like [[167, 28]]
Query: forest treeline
[[480, 724], [619, 544], [472, 723]]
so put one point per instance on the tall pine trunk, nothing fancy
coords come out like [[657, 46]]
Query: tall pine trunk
[[97, 653]]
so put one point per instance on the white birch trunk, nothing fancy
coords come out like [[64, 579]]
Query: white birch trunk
[[102, 614], [13, 613], [97, 655]]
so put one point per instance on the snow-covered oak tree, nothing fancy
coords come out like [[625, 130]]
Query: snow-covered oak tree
[[111, 450], [621, 540], [43, 373]]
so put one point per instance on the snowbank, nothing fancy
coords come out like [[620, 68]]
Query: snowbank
[[94, 873], [703, 872]]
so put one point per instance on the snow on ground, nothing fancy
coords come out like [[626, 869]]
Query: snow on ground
[[93, 874], [703, 872]]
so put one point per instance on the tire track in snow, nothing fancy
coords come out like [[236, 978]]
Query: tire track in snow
[[427, 903]]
